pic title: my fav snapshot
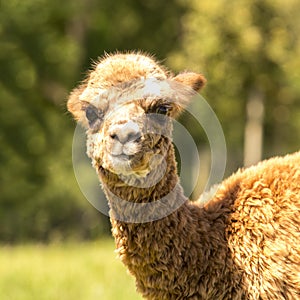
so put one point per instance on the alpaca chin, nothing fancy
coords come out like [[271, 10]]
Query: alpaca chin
[[120, 164], [142, 173]]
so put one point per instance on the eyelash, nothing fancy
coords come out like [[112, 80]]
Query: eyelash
[[161, 109]]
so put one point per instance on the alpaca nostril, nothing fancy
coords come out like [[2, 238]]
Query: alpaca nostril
[[127, 132], [114, 136], [134, 137]]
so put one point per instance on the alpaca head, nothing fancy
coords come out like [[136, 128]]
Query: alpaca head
[[127, 104]]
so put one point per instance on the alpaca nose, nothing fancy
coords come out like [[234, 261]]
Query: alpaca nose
[[127, 132]]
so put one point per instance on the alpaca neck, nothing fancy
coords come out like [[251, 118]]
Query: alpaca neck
[[134, 202], [160, 244], [143, 217]]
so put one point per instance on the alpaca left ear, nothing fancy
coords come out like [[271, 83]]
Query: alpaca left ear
[[193, 80], [185, 86]]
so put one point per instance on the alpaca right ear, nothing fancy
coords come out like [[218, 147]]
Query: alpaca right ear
[[76, 106]]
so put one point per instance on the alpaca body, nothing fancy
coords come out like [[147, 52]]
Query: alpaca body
[[241, 244]]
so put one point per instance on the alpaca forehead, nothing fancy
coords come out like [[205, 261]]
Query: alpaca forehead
[[124, 111], [143, 91]]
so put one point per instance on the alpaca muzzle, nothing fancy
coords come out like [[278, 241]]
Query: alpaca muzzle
[[124, 139]]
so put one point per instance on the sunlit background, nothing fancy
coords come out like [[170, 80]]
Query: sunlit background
[[249, 52]]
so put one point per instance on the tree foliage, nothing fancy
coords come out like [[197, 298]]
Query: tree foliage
[[47, 45], [243, 47]]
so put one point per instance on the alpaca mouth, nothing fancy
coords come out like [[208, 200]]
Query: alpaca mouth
[[139, 164], [143, 171], [123, 163], [135, 158], [122, 157], [122, 160]]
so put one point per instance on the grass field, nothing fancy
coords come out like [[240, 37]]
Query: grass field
[[87, 271]]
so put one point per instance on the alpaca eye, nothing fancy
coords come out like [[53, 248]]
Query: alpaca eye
[[92, 114], [162, 109]]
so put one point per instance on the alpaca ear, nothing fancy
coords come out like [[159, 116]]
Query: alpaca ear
[[76, 106], [185, 86], [193, 80]]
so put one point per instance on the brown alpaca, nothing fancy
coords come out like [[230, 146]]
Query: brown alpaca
[[242, 244]]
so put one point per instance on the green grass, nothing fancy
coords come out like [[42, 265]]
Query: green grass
[[83, 271]]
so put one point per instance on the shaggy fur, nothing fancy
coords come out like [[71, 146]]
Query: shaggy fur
[[242, 244]]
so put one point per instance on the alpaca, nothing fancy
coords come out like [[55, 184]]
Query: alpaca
[[241, 244]]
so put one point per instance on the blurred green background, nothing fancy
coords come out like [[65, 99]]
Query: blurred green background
[[248, 50]]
